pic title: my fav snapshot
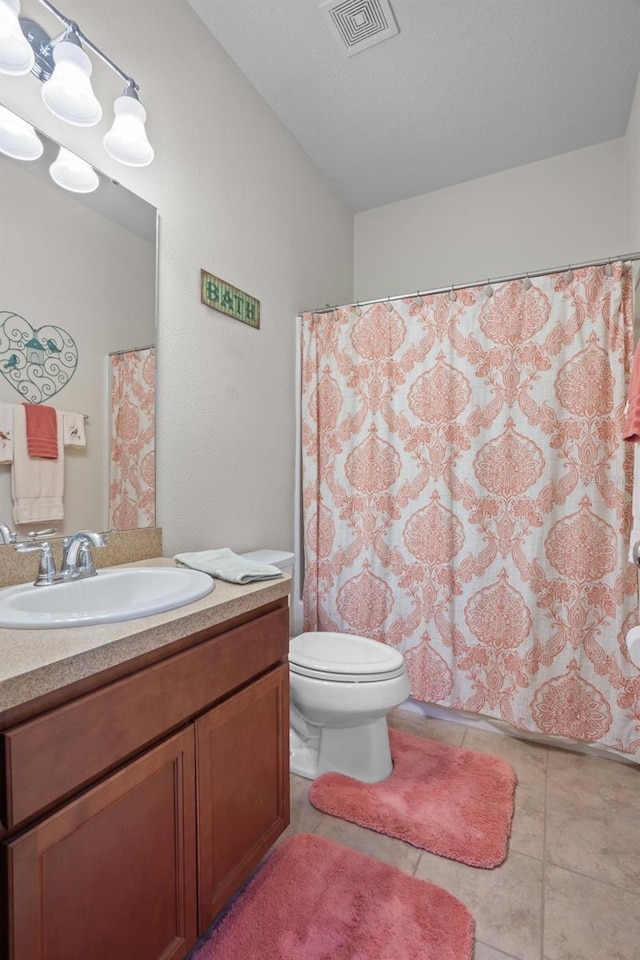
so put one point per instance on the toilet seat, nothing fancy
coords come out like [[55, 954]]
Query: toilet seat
[[344, 657]]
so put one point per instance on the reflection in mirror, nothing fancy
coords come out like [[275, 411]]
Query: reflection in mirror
[[77, 319]]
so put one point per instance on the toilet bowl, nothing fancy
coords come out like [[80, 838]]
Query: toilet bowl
[[341, 688]]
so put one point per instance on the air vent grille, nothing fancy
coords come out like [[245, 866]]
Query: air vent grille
[[359, 24]]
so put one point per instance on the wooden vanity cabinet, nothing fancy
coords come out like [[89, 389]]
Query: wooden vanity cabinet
[[137, 861]]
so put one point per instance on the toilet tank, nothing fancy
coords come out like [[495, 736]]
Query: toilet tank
[[278, 558], [285, 561]]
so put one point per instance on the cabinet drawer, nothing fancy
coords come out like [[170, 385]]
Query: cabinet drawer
[[49, 758]]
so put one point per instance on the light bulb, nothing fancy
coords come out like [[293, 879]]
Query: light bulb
[[16, 55], [127, 140], [18, 139], [72, 173], [68, 93]]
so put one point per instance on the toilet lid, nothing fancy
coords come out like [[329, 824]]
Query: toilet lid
[[343, 656]]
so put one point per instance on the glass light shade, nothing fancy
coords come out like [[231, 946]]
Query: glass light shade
[[18, 139], [16, 55], [127, 140], [68, 93], [72, 173]]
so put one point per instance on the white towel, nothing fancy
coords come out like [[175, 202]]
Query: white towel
[[227, 565], [37, 484], [6, 432], [73, 429]]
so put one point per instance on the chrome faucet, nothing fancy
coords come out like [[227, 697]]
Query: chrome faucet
[[77, 561], [6, 536]]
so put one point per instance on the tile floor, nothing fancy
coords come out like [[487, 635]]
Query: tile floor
[[570, 886]]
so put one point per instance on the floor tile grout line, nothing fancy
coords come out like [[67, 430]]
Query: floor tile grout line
[[589, 876]]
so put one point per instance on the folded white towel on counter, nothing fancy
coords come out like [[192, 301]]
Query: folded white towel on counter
[[227, 565], [73, 429], [6, 432]]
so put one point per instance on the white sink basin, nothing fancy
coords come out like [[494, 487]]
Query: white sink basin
[[118, 593]]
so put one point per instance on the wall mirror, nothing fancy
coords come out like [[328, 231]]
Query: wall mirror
[[85, 264]]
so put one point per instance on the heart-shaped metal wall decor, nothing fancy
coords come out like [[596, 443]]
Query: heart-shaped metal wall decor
[[37, 363]]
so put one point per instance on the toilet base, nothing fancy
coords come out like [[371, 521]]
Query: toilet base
[[360, 752]]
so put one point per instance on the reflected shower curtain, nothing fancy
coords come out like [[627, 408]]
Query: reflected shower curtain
[[132, 492], [466, 496]]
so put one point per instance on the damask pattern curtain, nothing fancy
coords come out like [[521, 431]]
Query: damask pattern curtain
[[132, 492], [466, 496]]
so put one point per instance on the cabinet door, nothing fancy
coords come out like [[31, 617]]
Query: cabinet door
[[242, 759], [111, 876]]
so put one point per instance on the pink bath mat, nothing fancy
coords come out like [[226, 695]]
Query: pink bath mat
[[452, 802], [314, 899]]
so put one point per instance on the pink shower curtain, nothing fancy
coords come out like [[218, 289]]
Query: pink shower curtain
[[466, 496], [132, 492]]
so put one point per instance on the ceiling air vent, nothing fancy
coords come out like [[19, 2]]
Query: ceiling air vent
[[358, 24]]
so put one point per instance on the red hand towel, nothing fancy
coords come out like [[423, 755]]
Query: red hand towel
[[42, 431]]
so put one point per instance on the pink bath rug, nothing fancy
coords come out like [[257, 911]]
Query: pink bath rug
[[314, 899], [452, 802]]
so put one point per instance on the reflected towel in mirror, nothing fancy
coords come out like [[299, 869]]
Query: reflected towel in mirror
[[73, 429], [6, 432], [37, 484], [42, 430]]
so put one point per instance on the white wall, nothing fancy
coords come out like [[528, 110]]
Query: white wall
[[238, 197], [633, 161], [570, 208]]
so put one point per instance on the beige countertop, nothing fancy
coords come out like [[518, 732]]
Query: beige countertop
[[38, 662]]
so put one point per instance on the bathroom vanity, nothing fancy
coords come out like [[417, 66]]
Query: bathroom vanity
[[144, 774]]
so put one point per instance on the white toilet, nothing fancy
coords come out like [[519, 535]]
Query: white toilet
[[341, 688]]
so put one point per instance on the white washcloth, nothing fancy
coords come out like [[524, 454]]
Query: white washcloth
[[37, 484], [73, 429], [227, 565], [6, 432]]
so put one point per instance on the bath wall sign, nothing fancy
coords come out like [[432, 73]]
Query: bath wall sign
[[221, 296], [37, 361]]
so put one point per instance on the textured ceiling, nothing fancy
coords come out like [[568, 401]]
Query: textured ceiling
[[467, 88]]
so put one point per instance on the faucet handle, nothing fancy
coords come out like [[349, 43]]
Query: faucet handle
[[47, 566]]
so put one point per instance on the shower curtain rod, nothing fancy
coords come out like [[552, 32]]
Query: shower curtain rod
[[119, 353], [480, 283]]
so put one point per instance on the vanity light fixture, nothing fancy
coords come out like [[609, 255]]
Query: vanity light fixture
[[127, 140], [65, 69], [16, 55], [68, 93], [72, 173], [18, 139]]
